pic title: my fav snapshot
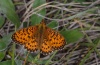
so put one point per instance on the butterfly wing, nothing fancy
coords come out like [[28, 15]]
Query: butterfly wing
[[26, 37], [46, 48], [53, 41], [56, 39], [32, 45]]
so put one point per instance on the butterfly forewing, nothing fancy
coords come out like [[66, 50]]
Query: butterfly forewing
[[26, 37], [56, 39]]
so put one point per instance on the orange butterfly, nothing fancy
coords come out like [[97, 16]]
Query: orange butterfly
[[39, 37]]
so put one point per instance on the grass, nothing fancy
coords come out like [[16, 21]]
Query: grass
[[78, 21]]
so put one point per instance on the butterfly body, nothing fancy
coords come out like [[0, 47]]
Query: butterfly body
[[39, 37]]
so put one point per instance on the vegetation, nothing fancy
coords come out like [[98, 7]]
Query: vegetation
[[77, 20]]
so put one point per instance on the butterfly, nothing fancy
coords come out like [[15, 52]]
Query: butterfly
[[39, 37]]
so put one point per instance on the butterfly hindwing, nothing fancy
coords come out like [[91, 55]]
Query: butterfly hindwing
[[31, 45], [46, 48]]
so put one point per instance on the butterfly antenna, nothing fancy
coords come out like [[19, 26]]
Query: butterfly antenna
[[43, 22]]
